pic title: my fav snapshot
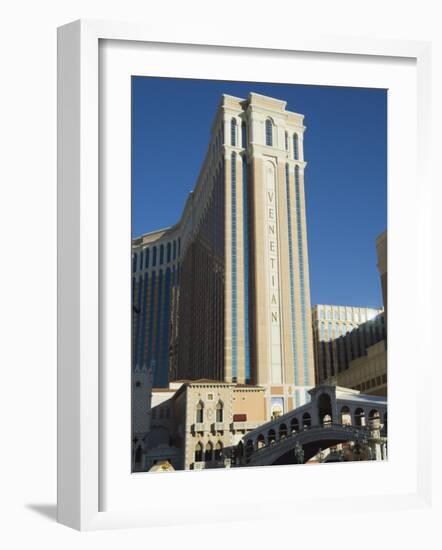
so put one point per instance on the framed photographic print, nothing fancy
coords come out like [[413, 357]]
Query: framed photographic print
[[223, 276]]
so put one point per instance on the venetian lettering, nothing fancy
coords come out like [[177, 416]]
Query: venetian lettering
[[271, 237]]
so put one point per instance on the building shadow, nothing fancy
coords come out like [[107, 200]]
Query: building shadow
[[48, 511]]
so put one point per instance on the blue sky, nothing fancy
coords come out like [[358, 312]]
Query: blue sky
[[345, 146]]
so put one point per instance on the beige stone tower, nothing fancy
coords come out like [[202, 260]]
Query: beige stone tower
[[268, 319], [236, 307]]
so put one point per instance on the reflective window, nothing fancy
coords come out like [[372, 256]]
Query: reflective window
[[291, 261], [234, 289], [295, 147], [199, 413], [233, 132], [219, 412], [269, 132], [246, 268], [304, 305]]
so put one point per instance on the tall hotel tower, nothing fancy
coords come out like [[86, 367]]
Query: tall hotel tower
[[224, 294]]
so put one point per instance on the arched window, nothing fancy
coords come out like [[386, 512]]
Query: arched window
[[286, 141], [161, 254], [198, 452], [146, 258], [199, 413], [208, 455], [324, 409], [345, 416], [374, 419], [327, 420], [269, 132], [295, 147], [359, 417], [261, 441], [218, 451], [282, 431], [306, 421], [169, 251], [271, 437], [233, 132], [154, 256], [219, 412], [134, 262], [174, 250], [243, 135], [294, 425]]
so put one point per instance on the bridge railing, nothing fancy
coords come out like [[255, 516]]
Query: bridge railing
[[362, 431]]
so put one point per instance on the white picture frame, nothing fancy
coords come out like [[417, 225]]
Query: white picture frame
[[80, 394]]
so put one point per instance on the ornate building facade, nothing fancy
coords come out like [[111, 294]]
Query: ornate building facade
[[224, 294], [196, 424]]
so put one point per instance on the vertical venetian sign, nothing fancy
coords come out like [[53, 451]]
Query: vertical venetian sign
[[274, 314]]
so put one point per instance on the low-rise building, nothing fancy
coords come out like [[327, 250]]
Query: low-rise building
[[195, 424], [351, 343], [342, 334]]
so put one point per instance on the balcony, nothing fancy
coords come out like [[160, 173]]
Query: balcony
[[244, 426], [198, 427], [219, 427]]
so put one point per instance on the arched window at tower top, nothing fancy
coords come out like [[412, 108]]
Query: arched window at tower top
[[269, 132]]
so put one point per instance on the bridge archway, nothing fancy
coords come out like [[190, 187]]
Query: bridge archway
[[325, 408], [345, 416], [271, 437], [359, 416], [312, 442], [306, 421], [374, 418], [294, 425], [282, 431]]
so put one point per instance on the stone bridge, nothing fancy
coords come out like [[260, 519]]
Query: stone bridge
[[333, 415]]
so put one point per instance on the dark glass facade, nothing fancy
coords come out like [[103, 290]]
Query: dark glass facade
[[201, 303]]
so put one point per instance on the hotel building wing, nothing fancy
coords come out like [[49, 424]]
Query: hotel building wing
[[224, 294]]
